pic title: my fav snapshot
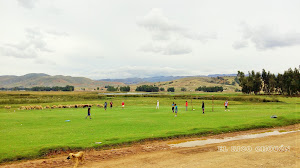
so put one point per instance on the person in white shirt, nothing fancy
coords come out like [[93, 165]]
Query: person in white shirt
[[226, 105], [157, 105]]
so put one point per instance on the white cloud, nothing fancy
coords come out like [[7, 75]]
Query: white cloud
[[29, 4], [140, 72], [57, 33], [266, 38]]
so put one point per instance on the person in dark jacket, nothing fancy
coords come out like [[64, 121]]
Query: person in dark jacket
[[105, 106], [203, 107], [89, 113]]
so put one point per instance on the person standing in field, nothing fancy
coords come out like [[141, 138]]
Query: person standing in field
[[203, 107], [173, 106], [89, 113], [186, 105], [176, 110], [157, 105], [226, 105], [123, 104], [105, 106], [111, 104]]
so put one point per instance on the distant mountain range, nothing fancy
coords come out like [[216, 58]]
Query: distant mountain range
[[129, 81], [40, 79]]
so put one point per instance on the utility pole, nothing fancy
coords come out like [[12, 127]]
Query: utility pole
[[212, 103], [191, 99]]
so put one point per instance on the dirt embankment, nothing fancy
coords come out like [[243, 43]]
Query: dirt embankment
[[159, 154]]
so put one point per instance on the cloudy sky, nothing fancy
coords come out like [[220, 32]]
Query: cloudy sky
[[138, 38]]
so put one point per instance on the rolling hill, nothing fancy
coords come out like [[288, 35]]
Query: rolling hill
[[191, 83], [178, 82], [40, 79]]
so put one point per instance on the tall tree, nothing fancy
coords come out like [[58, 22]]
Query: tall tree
[[257, 82], [265, 79]]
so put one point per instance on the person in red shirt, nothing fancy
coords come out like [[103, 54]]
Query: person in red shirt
[[111, 104], [123, 104], [186, 105]]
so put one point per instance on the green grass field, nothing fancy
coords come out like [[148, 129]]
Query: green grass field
[[29, 134]]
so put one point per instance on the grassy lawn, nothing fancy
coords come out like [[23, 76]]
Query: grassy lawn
[[29, 133]]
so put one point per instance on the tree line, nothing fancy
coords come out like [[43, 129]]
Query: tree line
[[210, 89], [114, 89], [150, 88], [147, 88], [41, 88], [54, 88], [287, 83]]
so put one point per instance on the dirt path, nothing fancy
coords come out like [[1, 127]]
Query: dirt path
[[159, 154]]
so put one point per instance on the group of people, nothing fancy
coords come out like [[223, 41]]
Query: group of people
[[105, 107], [174, 107]]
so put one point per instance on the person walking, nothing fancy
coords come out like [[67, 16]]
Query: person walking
[[186, 105], [111, 104], [203, 107], [226, 105], [157, 105], [89, 113], [105, 106], [176, 110], [173, 106]]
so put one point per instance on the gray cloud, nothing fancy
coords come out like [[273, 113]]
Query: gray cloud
[[156, 21], [44, 61], [266, 38], [34, 45], [204, 37], [164, 29], [160, 25], [57, 33], [29, 4], [172, 48], [17, 53], [240, 44]]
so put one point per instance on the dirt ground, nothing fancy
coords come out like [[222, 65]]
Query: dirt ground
[[160, 154]]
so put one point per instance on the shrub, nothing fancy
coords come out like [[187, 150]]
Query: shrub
[[171, 89], [112, 88], [125, 88], [210, 89], [147, 88]]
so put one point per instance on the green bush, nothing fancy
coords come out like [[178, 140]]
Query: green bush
[[112, 89], [147, 88], [171, 89], [125, 88], [210, 89]]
